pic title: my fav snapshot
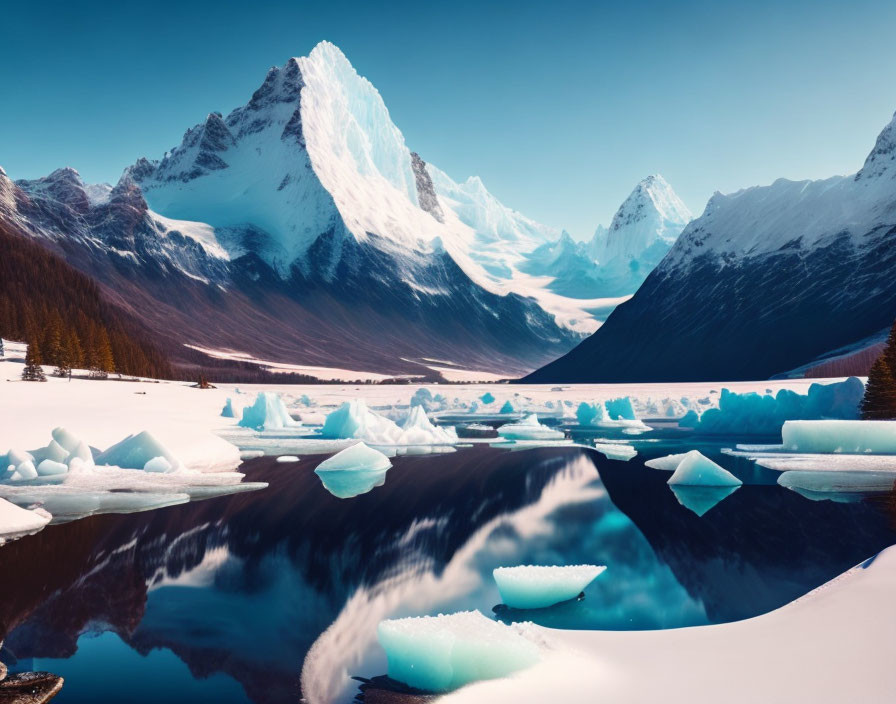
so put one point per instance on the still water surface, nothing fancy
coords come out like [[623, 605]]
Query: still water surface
[[272, 595]]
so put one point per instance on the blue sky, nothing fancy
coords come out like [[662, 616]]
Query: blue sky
[[561, 107]]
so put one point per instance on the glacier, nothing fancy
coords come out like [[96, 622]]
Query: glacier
[[540, 586], [441, 653]]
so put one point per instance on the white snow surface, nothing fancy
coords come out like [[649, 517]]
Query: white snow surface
[[17, 522], [808, 662]]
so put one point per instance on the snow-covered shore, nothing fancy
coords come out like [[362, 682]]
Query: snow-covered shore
[[833, 645]]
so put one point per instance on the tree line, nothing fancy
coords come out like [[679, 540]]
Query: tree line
[[63, 317], [879, 402]]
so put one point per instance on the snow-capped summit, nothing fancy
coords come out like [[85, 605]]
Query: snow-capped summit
[[766, 280], [653, 213]]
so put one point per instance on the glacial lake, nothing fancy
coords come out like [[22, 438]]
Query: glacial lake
[[261, 597]]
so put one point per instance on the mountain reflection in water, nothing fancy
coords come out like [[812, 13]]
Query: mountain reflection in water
[[272, 595]]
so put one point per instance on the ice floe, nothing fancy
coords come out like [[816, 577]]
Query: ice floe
[[697, 470], [616, 451], [441, 653], [540, 586], [17, 522], [353, 471], [840, 436], [669, 463], [267, 413]]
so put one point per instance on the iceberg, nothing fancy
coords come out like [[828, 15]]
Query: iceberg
[[540, 586], [507, 408], [487, 398], [840, 436], [755, 414], [529, 429], [135, 451], [701, 499], [16, 522], [697, 470], [227, 411], [669, 463], [358, 457], [620, 409], [353, 471], [267, 413], [418, 430], [441, 653]]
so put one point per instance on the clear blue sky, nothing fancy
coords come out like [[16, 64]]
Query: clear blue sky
[[561, 107]]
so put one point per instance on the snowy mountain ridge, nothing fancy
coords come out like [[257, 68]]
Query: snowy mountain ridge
[[766, 280]]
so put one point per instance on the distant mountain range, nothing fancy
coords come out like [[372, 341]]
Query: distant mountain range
[[795, 277], [301, 229]]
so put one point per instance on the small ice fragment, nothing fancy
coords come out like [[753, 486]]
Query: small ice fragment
[[616, 451], [507, 408], [487, 398], [287, 458], [227, 411], [539, 586], [441, 653], [697, 470]]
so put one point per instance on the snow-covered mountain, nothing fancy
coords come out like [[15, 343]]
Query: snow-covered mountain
[[616, 260], [301, 228], [765, 280]]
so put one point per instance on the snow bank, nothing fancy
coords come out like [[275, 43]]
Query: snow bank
[[440, 653], [16, 522], [697, 470], [267, 413], [755, 414], [539, 586], [730, 663], [839, 436], [529, 429]]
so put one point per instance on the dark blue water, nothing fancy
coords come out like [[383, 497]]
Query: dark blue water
[[267, 596]]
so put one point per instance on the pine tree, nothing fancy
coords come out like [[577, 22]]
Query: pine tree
[[75, 352], [879, 402], [2, 353], [33, 371], [102, 361]]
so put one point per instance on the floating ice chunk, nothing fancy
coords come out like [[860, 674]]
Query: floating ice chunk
[[616, 451], [539, 586], [54, 452], [267, 413], [440, 653], [669, 463], [846, 436], [287, 458], [81, 454], [487, 398], [700, 499], [353, 419], [16, 522], [839, 482], [17, 457], [418, 430], [356, 457], [158, 464], [589, 413], [788, 461], [227, 411], [507, 408], [697, 470], [529, 429], [48, 468], [135, 451]]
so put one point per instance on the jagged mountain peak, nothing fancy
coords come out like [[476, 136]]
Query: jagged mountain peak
[[882, 159], [652, 197]]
